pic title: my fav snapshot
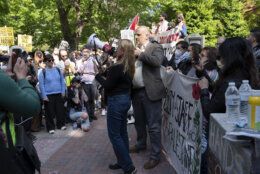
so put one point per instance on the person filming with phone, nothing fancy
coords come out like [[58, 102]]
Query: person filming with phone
[[17, 98]]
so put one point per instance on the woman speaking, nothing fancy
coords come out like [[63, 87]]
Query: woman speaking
[[118, 85]]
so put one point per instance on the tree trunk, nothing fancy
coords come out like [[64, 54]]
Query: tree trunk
[[65, 27]]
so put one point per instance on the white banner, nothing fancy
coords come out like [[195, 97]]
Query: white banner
[[168, 40], [182, 122]]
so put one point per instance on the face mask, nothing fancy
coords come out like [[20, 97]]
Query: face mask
[[86, 54], [179, 20], [178, 53], [187, 53], [220, 65], [56, 52], [160, 20], [154, 28]]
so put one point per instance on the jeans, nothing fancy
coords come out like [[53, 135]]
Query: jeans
[[90, 92], [117, 108], [76, 116]]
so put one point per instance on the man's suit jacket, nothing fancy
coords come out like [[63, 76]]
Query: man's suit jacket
[[152, 59]]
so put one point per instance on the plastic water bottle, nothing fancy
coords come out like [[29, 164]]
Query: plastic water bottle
[[245, 92], [232, 103]]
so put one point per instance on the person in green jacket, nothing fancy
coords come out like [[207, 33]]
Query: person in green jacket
[[17, 97]]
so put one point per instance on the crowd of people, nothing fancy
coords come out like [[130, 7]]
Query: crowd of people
[[70, 86]]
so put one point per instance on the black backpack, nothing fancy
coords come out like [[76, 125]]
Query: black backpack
[[44, 72]]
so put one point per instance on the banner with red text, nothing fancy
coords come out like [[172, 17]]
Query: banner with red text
[[168, 40]]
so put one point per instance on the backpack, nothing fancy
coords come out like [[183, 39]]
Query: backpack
[[44, 72]]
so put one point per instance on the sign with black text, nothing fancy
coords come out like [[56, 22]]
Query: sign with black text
[[6, 36], [182, 122]]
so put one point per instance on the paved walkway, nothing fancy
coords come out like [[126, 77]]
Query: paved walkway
[[77, 152]]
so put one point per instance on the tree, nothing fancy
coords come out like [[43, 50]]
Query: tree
[[199, 18], [230, 13], [50, 21], [251, 12], [212, 18], [36, 18]]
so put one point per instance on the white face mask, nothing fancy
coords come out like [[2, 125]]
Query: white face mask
[[220, 65], [178, 53], [86, 55]]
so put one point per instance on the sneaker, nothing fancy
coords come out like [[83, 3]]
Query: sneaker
[[103, 113], [51, 131], [131, 171], [131, 120], [63, 128]]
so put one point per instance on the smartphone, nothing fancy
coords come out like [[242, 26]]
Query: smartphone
[[16, 52]]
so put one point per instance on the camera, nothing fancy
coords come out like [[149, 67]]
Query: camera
[[16, 52]]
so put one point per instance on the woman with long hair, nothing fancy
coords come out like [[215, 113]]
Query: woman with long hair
[[181, 25], [237, 57], [207, 65], [117, 84]]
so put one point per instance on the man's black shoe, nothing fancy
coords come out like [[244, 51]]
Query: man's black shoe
[[131, 171], [114, 166], [94, 117]]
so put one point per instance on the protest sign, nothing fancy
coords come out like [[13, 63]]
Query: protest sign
[[168, 40], [25, 41], [6, 36], [182, 122], [128, 34]]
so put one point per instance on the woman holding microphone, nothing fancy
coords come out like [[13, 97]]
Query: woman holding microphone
[[117, 84]]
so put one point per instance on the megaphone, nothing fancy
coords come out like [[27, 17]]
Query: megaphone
[[94, 43]]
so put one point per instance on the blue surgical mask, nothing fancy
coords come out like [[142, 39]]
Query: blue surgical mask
[[178, 53]]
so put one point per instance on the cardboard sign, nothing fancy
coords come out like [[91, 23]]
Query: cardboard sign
[[6, 36], [128, 34], [25, 41]]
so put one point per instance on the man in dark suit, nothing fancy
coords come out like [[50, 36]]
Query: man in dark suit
[[148, 91]]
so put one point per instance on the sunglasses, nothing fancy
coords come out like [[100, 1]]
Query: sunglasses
[[50, 60], [65, 56]]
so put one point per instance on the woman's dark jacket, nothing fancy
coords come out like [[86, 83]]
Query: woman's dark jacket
[[217, 102]]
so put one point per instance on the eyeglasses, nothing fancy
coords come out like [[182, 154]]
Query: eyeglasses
[[50, 60]]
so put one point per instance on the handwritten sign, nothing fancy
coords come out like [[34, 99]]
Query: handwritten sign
[[128, 34], [6, 36], [168, 40], [25, 41], [182, 122]]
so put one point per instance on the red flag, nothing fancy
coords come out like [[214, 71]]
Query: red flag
[[135, 22]]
